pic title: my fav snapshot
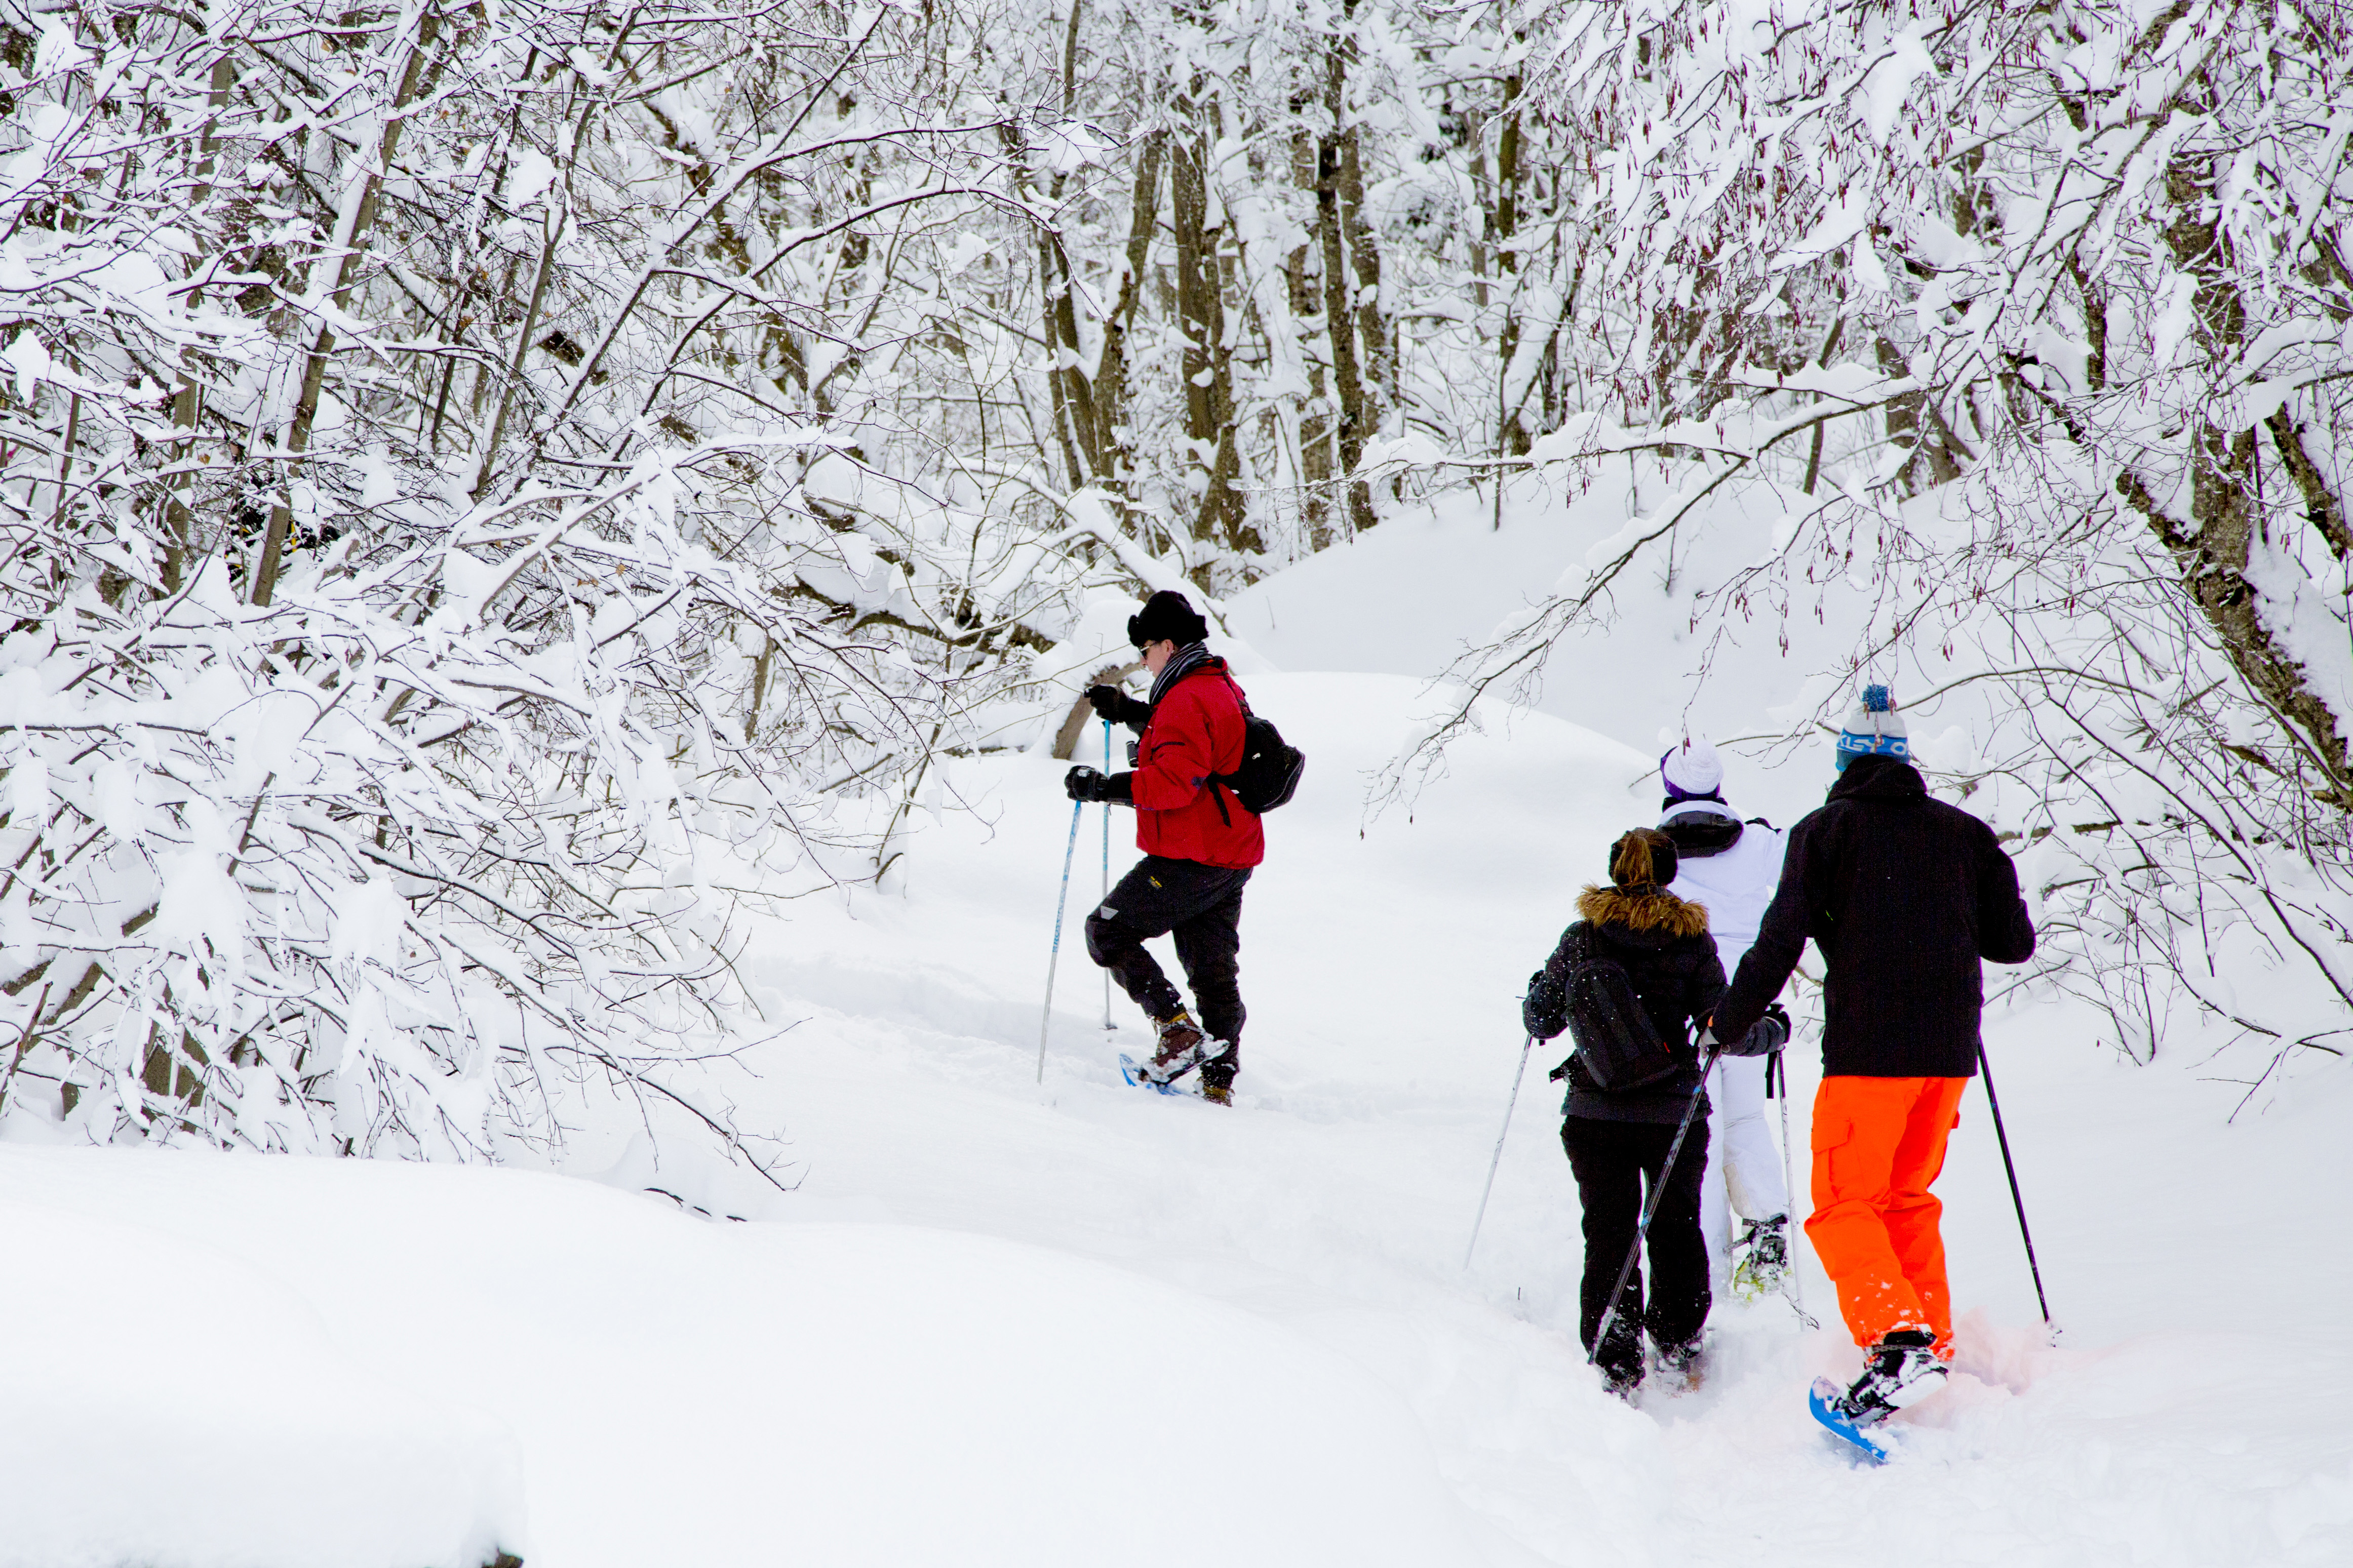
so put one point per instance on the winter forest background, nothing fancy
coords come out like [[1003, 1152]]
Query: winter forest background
[[497, 495]]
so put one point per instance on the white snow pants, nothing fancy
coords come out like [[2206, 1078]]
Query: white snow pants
[[1743, 1163]]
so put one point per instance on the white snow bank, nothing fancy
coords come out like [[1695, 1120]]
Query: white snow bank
[[684, 1391], [170, 1406]]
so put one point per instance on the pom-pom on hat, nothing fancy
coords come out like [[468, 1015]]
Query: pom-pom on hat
[[1642, 857], [1873, 728], [1167, 616], [1692, 771]]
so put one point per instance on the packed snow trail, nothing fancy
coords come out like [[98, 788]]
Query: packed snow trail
[[1085, 1324], [1382, 961]]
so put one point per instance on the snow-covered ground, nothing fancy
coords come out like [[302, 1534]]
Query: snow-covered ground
[[1002, 1321]]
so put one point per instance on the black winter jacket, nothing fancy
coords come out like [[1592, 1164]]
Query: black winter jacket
[[1903, 895], [1662, 943]]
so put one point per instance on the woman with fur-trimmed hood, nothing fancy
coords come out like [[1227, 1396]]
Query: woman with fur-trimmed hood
[[1618, 1142]]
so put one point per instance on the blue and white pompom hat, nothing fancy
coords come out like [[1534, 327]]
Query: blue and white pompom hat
[[1873, 728]]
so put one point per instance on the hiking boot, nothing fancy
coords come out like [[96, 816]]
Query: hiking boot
[[1179, 1051], [1218, 1072], [1763, 1256], [1681, 1367], [1902, 1370], [1622, 1382], [1620, 1361]]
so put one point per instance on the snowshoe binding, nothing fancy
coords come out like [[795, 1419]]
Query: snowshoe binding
[[1761, 1258], [1902, 1371], [1137, 1074], [1179, 1050], [1183, 1047]]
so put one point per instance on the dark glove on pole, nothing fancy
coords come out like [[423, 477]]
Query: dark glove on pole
[[1765, 1037], [1116, 707], [1086, 784]]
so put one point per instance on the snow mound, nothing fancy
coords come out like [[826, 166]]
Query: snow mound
[[688, 1391], [171, 1407]]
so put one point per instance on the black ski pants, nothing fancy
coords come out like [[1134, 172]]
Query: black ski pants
[[1615, 1163], [1202, 907]]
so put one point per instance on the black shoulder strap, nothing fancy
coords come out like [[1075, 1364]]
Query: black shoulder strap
[[1228, 779]]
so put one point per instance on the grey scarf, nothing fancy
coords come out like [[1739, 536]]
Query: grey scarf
[[1189, 657]]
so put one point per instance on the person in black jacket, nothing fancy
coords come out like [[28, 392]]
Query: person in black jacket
[[1618, 1142], [1905, 895]]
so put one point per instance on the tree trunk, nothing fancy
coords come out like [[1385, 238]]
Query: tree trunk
[[350, 243], [1111, 366], [1511, 437], [179, 519], [1365, 255], [1316, 415], [2216, 549], [1074, 398], [1207, 363], [1339, 195]]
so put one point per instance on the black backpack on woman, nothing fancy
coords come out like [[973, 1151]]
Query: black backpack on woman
[[1618, 1044]]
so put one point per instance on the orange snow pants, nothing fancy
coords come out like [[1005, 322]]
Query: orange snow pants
[[1879, 1144]]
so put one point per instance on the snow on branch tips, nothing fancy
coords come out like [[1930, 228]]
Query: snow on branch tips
[[2012, 340], [443, 528]]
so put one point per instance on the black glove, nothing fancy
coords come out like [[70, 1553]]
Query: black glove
[[1089, 784], [1545, 1013], [1765, 1037], [1780, 1014], [1117, 706]]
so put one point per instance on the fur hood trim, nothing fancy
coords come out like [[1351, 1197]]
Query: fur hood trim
[[1656, 909]]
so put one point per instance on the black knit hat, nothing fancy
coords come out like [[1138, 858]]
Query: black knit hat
[[1167, 616]]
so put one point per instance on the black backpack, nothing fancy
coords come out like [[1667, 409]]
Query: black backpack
[[1268, 775], [1620, 1047]]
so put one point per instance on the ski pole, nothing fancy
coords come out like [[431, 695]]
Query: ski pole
[[1106, 893], [2018, 1202], [1650, 1207], [1777, 1071], [1493, 1163], [1045, 1021]]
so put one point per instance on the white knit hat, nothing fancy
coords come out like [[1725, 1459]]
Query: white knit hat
[[1692, 768]]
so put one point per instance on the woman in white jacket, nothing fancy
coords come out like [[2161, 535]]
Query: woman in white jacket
[[1733, 868]]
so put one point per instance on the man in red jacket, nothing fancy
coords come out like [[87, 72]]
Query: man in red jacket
[[1198, 841]]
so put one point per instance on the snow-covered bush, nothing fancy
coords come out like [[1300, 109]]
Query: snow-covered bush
[[429, 553], [2028, 325]]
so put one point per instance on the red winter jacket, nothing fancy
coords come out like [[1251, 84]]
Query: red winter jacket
[[1194, 731]]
